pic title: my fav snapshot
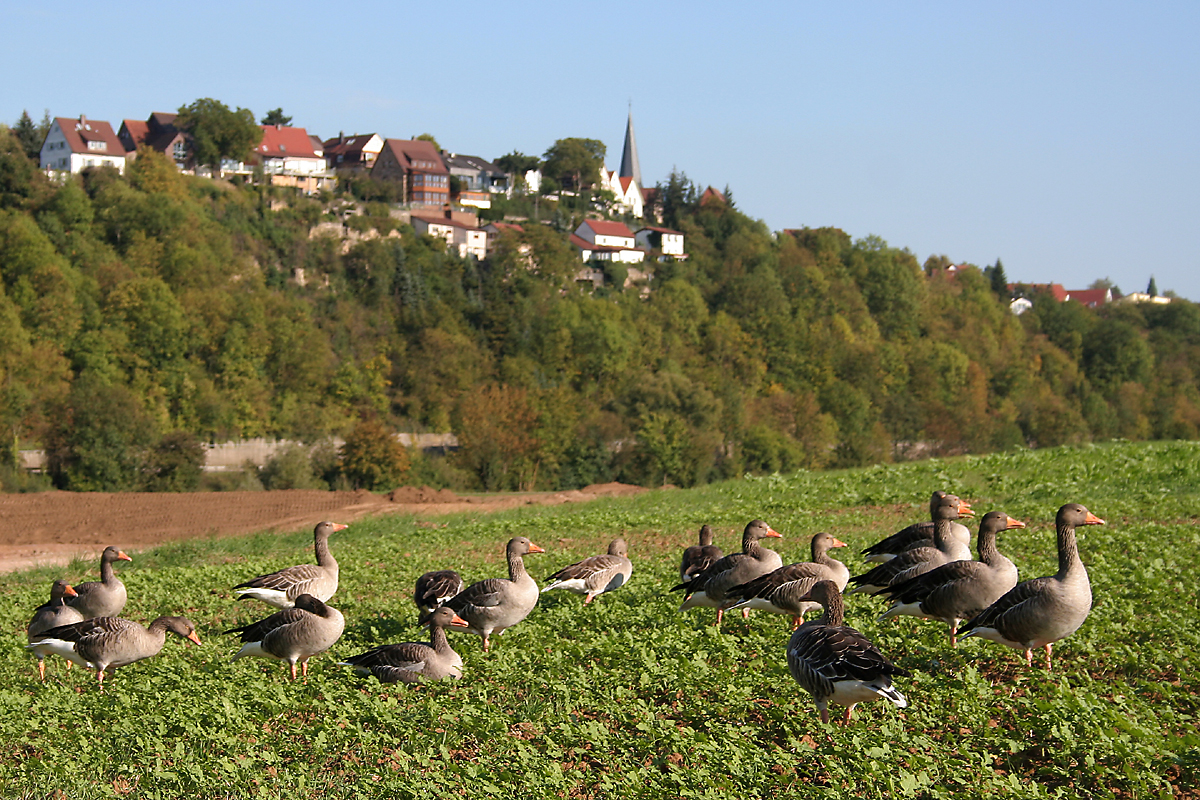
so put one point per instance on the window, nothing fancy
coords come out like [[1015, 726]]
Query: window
[[179, 151], [94, 145]]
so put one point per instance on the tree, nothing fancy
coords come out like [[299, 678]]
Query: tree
[[218, 132], [428, 137], [276, 117], [995, 275], [517, 164], [1152, 288], [578, 160], [174, 464], [27, 134], [372, 458]]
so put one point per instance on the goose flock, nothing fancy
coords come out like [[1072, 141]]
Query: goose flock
[[924, 571]]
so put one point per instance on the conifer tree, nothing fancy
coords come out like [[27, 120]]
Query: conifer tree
[[1152, 289]]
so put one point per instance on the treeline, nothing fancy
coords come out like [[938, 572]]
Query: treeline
[[142, 314]]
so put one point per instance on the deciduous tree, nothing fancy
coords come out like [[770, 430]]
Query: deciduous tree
[[218, 132], [576, 160], [276, 117]]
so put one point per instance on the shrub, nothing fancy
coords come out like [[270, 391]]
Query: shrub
[[174, 464], [372, 458], [290, 468]]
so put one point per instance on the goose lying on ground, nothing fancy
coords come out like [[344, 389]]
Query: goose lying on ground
[[1042, 611], [595, 575], [836, 664], [780, 591], [280, 589], [105, 643], [294, 634], [412, 662], [961, 589]]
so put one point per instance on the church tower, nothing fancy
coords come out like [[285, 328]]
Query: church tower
[[629, 157]]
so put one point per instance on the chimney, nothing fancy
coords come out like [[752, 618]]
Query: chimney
[[341, 137]]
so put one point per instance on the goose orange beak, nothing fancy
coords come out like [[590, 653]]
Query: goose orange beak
[[774, 534], [122, 557], [460, 622], [1092, 519], [533, 548], [839, 543], [70, 591], [965, 509], [337, 526], [1013, 523], [192, 637]]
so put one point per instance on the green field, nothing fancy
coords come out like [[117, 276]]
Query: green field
[[629, 698]]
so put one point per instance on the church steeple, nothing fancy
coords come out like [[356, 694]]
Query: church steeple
[[629, 157]]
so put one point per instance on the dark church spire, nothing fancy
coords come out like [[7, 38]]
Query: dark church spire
[[629, 157]]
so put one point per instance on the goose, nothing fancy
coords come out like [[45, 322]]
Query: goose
[[920, 560], [837, 664], [780, 591], [1042, 611], [293, 634], [280, 589], [699, 557], [105, 643], [51, 615], [412, 662], [919, 534], [106, 597], [961, 589], [595, 575], [709, 587], [435, 588], [496, 604]]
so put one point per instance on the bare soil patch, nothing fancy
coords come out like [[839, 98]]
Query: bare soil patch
[[54, 527]]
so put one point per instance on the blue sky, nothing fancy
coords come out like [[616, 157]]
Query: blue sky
[[1060, 137]]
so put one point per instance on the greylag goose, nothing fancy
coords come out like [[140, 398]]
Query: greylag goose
[[435, 588], [294, 634], [412, 662], [1042, 611], [595, 575], [280, 589], [496, 604], [709, 587], [837, 664], [780, 591], [920, 560], [106, 597], [105, 643], [699, 557], [961, 589], [52, 615], [919, 534]]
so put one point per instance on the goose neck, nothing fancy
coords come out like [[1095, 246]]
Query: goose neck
[[324, 554], [988, 553], [1068, 550], [835, 610], [516, 567]]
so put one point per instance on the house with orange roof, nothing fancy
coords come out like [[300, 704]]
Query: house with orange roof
[[1092, 298], [629, 198], [290, 158], [73, 145], [157, 132], [603, 240], [467, 240], [355, 152], [418, 167]]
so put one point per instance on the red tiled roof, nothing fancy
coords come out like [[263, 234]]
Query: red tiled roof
[[79, 132], [625, 183], [583, 244], [453, 223], [508, 226], [1056, 290], [1089, 297], [280, 142], [659, 230], [606, 228], [409, 151], [137, 130], [711, 195]]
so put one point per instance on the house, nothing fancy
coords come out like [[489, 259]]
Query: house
[[157, 132], [712, 197], [467, 239], [1142, 297], [479, 179], [1092, 298], [73, 145], [1056, 290], [418, 167], [289, 157], [494, 230], [602, 240], [355, 152], [663, 243], [626, 190]]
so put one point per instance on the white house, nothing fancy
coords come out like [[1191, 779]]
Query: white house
[[292, 158], [667, 242], [467, 239], [628, 193], [601, 240], [73, 145]]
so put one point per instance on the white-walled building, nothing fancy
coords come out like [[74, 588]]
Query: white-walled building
[[73, 145], [468, 240], [628, 194], [602, 240], [667, 242]]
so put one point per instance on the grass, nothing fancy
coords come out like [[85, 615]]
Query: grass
[[629, 698]]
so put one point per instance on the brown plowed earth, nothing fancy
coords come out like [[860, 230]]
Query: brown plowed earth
[[54, 527]]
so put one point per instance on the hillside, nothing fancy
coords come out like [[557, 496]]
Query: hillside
[[144, 312]]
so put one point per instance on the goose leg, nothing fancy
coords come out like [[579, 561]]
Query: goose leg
[[745, 613], [293, 668], [846, 719], [824, 709], [720, 616], [304, 667], [42, 669], [486, 643], [1029, 657], [1048, 667], [797, 621]]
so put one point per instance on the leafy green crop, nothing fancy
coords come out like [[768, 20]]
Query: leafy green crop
[[629, 698]]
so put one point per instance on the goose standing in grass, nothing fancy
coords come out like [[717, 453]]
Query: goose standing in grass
[[496, 604], [294, 634], [280, 589], [920, 560], [919, 534], [105, 643], [709, 587], [595, 575], [837, 664], [106, 597], [1042, 611], [699, 557], [52, 615], [961, 589], [435, 588], [780, 591], [413, 662]]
